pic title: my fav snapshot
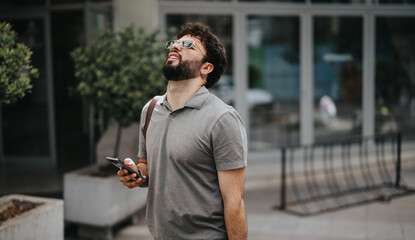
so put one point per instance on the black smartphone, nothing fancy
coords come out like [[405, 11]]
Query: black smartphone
[[119, 164]]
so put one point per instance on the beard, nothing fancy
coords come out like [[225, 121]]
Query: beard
[[183, 71]]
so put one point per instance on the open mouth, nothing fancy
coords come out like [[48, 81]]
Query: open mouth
[[173, 56]]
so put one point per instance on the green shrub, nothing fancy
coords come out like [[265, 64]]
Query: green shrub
[[15, 69], [120, 72]]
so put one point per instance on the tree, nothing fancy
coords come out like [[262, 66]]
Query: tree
[[120, 72], [15, 69]]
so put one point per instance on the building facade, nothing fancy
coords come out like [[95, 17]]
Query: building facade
[[300, 71]]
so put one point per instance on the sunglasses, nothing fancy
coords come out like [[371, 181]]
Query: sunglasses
[[184, 44]]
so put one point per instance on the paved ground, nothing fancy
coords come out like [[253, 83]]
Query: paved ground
[[394, 220], [375, 221]]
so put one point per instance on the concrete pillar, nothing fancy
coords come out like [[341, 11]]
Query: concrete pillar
[[142, 13]]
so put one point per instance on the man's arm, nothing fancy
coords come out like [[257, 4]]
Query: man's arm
[[128, 180], [231, 183]]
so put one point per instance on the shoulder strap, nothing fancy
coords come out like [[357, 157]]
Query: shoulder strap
[[149, 113]]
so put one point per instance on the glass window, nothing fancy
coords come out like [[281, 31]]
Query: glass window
[[98, 20], [25, 123], [397, 1], [76, 1], [337, 77], [72, 135], [221, 25], [340, 1], [195, 0], [273, 93], [395, 76], [67, 1], [273, 1], [21, 3]]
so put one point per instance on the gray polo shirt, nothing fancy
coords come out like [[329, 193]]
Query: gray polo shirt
[[185, 148]]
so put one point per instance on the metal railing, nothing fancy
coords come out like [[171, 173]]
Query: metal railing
[[328, 176]]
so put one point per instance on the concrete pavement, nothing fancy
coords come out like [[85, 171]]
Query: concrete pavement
[[374, 221]]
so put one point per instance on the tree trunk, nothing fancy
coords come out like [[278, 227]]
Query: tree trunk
[[118, 140]]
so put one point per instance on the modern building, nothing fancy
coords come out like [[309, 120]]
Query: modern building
[[300, 71]]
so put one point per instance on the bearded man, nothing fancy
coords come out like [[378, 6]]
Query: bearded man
[[194, 154]]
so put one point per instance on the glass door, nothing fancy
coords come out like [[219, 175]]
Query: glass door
[[273, 81], [395, 76], [337, 77]]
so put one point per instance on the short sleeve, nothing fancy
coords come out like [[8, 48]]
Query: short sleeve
[[229, 142], [142, 151]]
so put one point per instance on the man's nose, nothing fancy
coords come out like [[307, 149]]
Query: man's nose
[[176, 46]]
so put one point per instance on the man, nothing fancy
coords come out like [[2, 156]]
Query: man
[[195, 152]]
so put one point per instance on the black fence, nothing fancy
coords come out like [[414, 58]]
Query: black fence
[[338, 174]]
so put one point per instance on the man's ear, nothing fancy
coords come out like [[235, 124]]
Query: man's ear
[[207, 68]]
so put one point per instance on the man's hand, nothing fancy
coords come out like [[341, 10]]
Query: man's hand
[[130, 180]]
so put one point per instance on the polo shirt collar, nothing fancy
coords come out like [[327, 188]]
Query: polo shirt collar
[[196, 100]]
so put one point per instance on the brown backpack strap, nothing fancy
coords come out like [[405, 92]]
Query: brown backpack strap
[[149, 113]]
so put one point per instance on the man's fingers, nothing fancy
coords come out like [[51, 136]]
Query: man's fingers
[[131, 184], [127, 181], [128, 161], [139, 181], [130, 180], [122, 172]]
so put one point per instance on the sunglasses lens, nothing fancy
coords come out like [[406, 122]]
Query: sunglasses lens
[[187, 43], [184, 44], [169, 44]]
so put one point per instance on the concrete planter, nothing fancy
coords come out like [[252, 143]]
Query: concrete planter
[[99, 201], [42, 222]]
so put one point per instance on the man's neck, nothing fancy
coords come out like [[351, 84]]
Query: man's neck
[[178, 92]]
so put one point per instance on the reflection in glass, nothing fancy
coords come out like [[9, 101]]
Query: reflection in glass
[[195, 0], [272, 96], [397, 1], [339, 1], [337, 77], [221, 25], [395, 76], [25, 123], [301, 1]]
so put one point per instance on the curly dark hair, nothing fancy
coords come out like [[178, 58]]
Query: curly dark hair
[[215, 51]]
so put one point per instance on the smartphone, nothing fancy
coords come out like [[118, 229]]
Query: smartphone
[[119, 164]]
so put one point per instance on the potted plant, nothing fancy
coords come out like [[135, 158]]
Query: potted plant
[[28, 217], [22, 216], [15, 69], [119, 73]]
